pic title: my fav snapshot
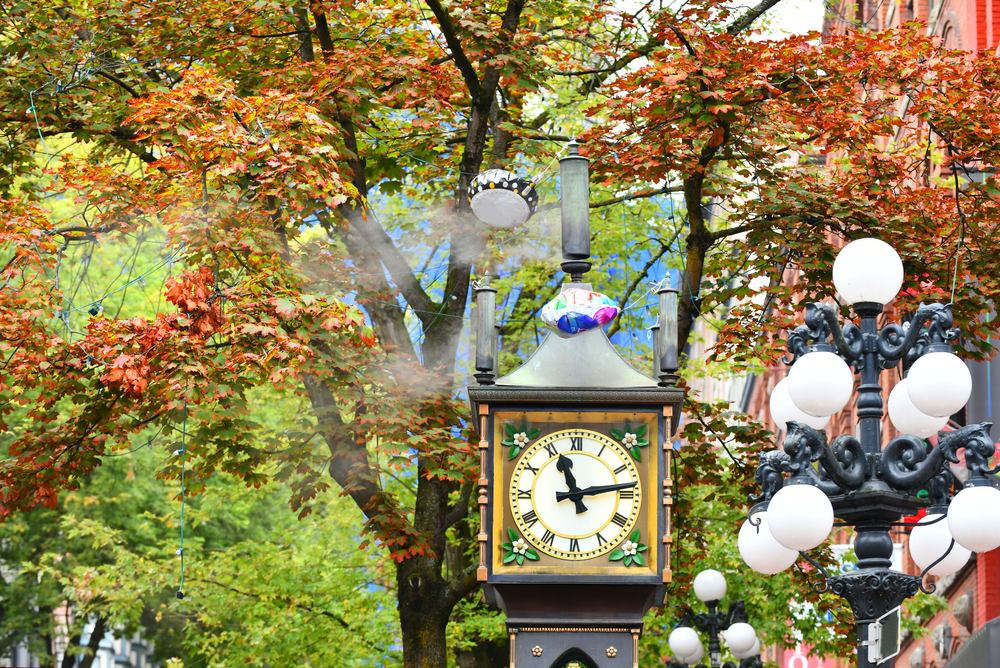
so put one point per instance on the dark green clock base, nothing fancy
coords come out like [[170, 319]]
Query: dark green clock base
[[570, 605]]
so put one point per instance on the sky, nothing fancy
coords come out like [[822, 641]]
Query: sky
[[792, 17]]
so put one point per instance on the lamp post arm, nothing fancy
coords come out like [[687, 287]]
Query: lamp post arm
[[844, 462], [894, 341], [847, 340], [805, 445], [906, 463]]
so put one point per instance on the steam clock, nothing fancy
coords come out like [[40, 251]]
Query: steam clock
[[575, 488]]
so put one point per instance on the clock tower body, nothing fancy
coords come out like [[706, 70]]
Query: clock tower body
[[575, 496]]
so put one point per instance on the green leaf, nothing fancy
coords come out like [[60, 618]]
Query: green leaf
[[634, 537], [510, 430], [534, 433], [616, 555], [640, 430], [509, 557], [636, 453], [617, 433], [520, 559], [507, 441], [531, 554], [507, 546], [524, 427], [628, 560], [628, 428], [637, 558], [642, 442], [640, 547], [514, 449], [511, 534]]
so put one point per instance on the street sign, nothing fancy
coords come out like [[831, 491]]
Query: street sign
[[883, 637]]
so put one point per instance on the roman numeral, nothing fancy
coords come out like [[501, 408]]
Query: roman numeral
[[619, 519], [551, 449], [524, 494], [529, 518], [548, 538], [531, 468], [574, 545], [626, 493], [600, 539], [576, 443], [621, 469]]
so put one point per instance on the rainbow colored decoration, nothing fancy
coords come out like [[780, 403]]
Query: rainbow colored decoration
[[575, 310]]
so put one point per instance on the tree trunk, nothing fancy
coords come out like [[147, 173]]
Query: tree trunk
[[94, 643], [423, 616]]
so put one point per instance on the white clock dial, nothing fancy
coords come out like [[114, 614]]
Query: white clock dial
[[575, 494]]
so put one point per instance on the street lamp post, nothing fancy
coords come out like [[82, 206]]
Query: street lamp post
[[710, 588], [854, 479]]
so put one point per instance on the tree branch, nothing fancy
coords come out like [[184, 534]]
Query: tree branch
[[455, 46], [283, 599], [461, 585], [730, 231], [639, 195], [752, 15], [111, 77]]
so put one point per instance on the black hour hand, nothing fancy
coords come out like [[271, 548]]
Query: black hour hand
[[565, 464]]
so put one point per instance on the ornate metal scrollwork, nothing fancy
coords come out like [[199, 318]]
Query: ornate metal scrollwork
[[906, 464], [871, 594], [768, 477], [822, 326], [895, 340], [805, 445]]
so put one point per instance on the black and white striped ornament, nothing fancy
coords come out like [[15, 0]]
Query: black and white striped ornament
[[502, 199]]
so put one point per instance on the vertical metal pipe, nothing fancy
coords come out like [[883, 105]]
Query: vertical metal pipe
[[667, 363], [486, 300], [496, 350], [654, 332], [869, 400], [574, 178]]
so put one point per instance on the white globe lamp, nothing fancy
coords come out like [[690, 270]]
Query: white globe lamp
[[709, 585], [974, 518], [693, 658], [928, 542], [759, 549], [820, 383], [939, 384], [905, 416], [684, 641], [740, 637], [750, 652], [784, 411], [800, 516], [868, 270]]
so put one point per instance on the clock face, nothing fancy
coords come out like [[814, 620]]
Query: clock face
[[575, 494]]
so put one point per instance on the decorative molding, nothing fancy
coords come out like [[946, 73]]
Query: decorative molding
[[872, 593], [569, 629], [654, 395]]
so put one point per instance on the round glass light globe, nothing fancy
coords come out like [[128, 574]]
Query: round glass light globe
[[750, 652], [693, 658], [939, 384], [820, 383], [974, 518], [740, 637], [868, 270], [710, 585], [905, 416], [929, 541], [800, 517], [684, 641], [784, 411], [760, 550]]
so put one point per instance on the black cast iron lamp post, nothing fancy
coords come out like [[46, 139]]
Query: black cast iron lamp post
[[855, 479], [741, 639]]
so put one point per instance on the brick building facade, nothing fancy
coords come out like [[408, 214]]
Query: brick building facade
[[973, 593]]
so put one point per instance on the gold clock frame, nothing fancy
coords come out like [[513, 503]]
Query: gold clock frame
[[568, 567], [539, 444]]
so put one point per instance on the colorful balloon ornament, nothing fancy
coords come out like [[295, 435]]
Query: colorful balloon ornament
[[575, 310]]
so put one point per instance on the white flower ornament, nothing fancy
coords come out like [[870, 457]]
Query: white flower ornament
[[520, 547]]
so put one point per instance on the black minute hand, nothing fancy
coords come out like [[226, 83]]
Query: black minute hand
[[564, 464], [590, 491]]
